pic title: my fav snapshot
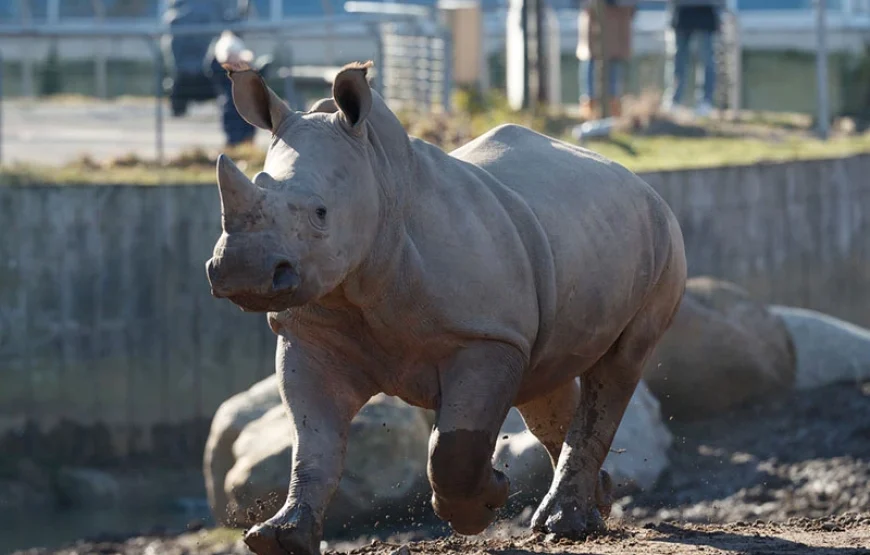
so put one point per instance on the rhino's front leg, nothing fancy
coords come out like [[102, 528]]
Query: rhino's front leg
[[477, 389], [321, 399]]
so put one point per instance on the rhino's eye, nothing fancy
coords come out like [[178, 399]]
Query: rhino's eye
[[321, 212]]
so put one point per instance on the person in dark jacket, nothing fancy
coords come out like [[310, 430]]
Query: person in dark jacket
[[690, 19], [184, 53], [229, 48], [196, 56]]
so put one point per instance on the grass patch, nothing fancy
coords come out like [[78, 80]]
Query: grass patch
[[646, 154], [643, 141]]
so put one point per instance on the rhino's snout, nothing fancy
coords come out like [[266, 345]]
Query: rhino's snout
[[282, 280]]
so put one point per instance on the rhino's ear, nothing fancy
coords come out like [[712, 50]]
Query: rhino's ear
[[256, 102], [352, 93]]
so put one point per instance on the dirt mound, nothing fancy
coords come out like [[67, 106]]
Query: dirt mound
[[803, 454]]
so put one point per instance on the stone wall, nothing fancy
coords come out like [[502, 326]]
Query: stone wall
[[111, 346]]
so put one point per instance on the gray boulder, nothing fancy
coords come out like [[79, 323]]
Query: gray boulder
[[229, 420], [638, 456], [723, 349], [829, 350], [385, 465]]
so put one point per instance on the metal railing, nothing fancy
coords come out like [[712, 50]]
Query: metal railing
[[389, 30], [416, 54]]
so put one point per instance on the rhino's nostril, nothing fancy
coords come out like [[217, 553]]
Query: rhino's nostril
[[284, 278]]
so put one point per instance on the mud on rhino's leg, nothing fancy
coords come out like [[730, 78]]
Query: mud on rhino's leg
[[478, 387], [320, 410], [570, 508], [549, 418]]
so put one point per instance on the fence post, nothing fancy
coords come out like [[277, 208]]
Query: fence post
[[822, 69], [736, 58], [447, 71], [376, 31], [602, 71], [158, 97]]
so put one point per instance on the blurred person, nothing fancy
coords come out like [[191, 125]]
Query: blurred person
[[229, 48], [699, 19], [617, 28], [184, 54]]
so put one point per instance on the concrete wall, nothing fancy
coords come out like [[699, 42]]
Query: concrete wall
[[796, 233], [111, 345], [108, 333]]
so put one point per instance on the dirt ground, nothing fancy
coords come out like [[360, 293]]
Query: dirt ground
[[848, 536], [845, 535], [787, 476]]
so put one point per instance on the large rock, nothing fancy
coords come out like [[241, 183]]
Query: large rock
[[229, 420], [385, 465], [638, 455], [722, 349], [829, 350]]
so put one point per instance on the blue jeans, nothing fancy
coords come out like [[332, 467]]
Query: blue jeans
[[707, 57], [615, 70]]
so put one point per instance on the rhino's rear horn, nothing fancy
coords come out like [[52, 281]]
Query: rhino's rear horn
[[239, 195]]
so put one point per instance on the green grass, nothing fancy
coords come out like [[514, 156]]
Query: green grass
[[753, 138], [646, 154], [640, 154]]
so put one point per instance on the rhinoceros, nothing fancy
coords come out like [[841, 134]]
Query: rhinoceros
[[470, 282]]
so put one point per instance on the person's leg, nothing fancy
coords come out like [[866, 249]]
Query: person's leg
[[588, 72], [616, 77], [707, 56], [682, 55], [587, 100]]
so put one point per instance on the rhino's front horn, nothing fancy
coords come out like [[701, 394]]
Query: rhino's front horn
[[239, 195]]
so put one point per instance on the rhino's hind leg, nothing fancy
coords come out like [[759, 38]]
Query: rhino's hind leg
[[549, 418], [477, 389], [573, 506]]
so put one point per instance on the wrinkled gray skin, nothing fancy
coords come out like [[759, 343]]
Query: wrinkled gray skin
[[466, 283]]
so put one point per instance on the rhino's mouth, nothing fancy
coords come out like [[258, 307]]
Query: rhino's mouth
[[251, 302]]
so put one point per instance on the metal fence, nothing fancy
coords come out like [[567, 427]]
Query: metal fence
[[407, 42], [410, 48], [416, 60]]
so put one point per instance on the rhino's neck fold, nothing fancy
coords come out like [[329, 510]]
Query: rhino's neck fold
[[397, 172]]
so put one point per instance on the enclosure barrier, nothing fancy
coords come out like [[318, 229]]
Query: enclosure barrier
[[416, 52], [106, 321]]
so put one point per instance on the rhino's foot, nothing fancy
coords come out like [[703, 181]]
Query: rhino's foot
[[284, 534], [570, 516], [570, 521], [469, 517]]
